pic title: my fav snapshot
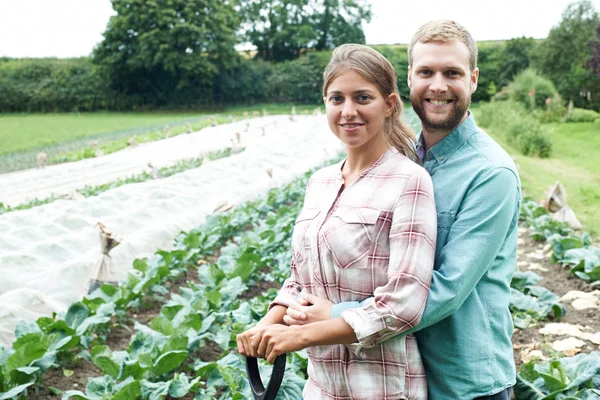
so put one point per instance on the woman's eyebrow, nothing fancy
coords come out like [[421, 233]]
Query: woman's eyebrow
[[359, 91]]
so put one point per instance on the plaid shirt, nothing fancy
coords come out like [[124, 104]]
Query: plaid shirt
[[376, 238]]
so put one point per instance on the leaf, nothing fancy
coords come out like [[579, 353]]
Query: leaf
[[99, 387], [521, 280], [162, 325], [102, 358], [76, 314], [130, 391], [17, 390], [68, 372], [181, 385], [74, 394], [89, 322], [169, 361], [26, 327], [214, 298], [154, 391], [25, 355]]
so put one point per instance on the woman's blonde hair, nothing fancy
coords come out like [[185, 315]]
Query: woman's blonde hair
[[375, 68]]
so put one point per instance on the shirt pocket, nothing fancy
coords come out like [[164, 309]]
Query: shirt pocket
[[300, 236], [352, 237], [445, 220]]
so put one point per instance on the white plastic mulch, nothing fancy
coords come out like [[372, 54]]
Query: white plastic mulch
[[47, 253]]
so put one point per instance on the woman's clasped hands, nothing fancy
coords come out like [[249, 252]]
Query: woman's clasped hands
[[269, 339]]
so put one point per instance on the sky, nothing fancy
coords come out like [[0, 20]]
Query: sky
[[71, 28]]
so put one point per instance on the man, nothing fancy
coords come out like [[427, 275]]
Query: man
[[465, 332]]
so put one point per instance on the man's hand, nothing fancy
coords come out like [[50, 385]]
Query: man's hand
[[274, 340], [309, 309]]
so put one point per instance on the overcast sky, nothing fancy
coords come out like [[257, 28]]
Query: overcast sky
[[71, 28]]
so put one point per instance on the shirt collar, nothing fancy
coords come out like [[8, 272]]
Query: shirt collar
[[444, 149]]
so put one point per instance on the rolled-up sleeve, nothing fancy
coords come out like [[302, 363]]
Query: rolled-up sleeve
[[398, 305]]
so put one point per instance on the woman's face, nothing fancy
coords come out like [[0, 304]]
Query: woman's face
[[356, 110]]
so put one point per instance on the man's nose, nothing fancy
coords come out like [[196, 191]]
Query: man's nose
[[438, 83], [349, 110]]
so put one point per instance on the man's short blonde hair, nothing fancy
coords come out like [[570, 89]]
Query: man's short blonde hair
[[444, 30]]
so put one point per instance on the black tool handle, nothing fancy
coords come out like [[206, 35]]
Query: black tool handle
[[258, 389]]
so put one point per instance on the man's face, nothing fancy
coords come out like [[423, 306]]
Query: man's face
[[441, 84]]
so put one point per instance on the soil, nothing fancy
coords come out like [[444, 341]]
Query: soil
[[559, 280]]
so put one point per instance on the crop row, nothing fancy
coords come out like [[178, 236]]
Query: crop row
[[162, 358], [568, 248], [164, 172], [156, 362]]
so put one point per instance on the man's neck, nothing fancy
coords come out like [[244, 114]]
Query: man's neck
[[431, 137]]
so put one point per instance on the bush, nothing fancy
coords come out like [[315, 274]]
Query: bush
[[583, 115], [532, 90], [521, 129]]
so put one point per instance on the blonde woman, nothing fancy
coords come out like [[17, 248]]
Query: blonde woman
[[367, 229]]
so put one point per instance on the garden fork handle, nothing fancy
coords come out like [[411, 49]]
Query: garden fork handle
[[258, 389]]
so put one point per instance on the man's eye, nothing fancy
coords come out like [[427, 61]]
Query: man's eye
[[452, 73], [425, 72]]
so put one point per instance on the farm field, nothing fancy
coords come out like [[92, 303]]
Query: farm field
[[21, 132], [573, 162], [71, 137], [168, 331]]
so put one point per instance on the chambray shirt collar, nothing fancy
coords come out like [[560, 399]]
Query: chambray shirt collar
[[445, 148]]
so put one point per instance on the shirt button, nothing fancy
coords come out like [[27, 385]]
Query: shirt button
[[442, 158], [389, 320]]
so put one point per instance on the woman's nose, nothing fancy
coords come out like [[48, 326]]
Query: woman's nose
[[349, 110]]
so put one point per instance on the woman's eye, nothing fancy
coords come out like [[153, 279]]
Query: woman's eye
[[364, 97], [336, 99]]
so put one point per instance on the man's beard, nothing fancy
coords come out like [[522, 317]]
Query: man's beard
[[448, 123]]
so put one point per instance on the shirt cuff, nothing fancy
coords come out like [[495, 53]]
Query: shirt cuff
[[338, 309], [368, 328]]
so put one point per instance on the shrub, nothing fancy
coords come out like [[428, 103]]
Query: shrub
[[583, 115], [521, 129], [532, 90]]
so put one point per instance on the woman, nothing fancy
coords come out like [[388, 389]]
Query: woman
[[367, 230]]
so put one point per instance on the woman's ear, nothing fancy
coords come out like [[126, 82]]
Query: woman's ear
[[390, 103]]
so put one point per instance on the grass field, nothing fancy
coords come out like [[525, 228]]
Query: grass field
[[22, 132], [574, 162]]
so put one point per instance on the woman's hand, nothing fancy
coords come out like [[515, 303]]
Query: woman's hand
[[309, 309], [244, 342], [274, 340]]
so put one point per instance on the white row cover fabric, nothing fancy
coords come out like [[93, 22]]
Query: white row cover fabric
[[47, 253], [22, 186]]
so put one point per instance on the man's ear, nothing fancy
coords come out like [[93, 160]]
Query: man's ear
[[409, 79], [474, 78]]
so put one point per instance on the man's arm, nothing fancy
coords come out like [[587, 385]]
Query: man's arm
[[487, 215]]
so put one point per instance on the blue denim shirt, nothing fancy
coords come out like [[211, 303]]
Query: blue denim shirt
[[465, 333]]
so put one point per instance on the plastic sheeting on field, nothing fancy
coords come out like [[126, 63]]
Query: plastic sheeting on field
[[47, 253], [63, 179]]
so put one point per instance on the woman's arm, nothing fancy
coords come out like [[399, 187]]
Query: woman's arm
[[274, 340]]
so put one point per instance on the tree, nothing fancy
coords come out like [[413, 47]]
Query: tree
[[563, 54], [339, 22], [167, 52], [516, 57], [594, 62], [283, 29]]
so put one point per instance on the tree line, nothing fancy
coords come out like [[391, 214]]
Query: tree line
[[181, 54]]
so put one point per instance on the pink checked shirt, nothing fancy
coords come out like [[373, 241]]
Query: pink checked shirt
[[376, 238]]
